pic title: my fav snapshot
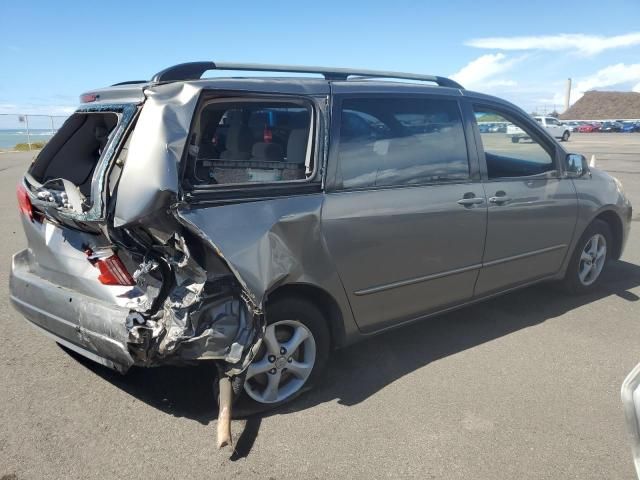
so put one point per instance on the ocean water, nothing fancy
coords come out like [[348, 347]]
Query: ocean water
[[10, 137]]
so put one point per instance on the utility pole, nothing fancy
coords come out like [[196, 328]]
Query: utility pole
[[567, 97]]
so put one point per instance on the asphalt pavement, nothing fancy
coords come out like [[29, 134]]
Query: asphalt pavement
[[525, 386]]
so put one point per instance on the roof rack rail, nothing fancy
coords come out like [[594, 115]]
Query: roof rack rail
[[129, 82], [194, 70]]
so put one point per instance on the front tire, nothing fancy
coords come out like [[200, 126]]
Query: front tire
[[293, 354], [565, 136], [589, 259]]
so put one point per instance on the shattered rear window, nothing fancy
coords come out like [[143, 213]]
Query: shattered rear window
[[73, 153], [245, 141]]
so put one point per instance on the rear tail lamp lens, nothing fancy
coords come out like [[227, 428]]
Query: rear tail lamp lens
[[24, 202], [112, 270]]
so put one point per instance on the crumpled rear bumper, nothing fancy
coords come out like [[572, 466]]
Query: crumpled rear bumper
[[84, 324]]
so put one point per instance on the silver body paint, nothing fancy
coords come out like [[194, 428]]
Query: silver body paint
[[379, 258]]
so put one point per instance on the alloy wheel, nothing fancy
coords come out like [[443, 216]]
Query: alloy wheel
[[592, 259], [283, 364]]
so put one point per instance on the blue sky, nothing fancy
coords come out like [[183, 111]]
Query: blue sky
[[524, 51]]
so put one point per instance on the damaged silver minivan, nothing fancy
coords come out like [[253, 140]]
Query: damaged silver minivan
[[258, 223]]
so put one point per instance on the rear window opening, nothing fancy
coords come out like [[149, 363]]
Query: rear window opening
[[250, 141], [73, 153]]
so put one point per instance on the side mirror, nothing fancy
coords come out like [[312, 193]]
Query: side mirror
[[576, 165]]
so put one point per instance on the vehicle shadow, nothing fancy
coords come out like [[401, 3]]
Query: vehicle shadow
[[358, 372]]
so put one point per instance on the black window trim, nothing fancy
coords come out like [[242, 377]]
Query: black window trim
[[257, 190], [536, 132], [331, 183]]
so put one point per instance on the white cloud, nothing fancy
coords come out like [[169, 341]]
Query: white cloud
[[557, 100], [612, 75], [622, 76], [584, 44], [481, 71], [499, 83]]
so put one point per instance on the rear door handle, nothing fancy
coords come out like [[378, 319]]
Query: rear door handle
[[467, 202], [500, 200]]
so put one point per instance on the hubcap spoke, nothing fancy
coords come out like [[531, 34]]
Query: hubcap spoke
[[584, 272], [259, 367], [585, 257], [601, 252], [299, 369], [271, 342], [271, 391], [299, 336]]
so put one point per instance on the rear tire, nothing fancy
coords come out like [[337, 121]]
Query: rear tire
[[515, 139], [589, 259], [277, 376]]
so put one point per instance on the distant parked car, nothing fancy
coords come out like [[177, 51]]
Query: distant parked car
[[609, 127], [572, 126], [630, 127], [588, 128], [550, 124], [554, 127]]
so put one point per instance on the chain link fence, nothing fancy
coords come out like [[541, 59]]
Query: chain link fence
[[27, 132]]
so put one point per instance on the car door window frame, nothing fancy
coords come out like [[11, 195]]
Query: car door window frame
[[535, 130], [331, 183]]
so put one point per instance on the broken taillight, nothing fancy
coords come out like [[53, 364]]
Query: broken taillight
[[24, 202], [112, 270]]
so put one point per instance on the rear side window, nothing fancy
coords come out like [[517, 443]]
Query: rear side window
[[400, 141], [250, 141]]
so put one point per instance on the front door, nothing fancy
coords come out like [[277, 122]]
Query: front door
[[405, 213], [531, 209]]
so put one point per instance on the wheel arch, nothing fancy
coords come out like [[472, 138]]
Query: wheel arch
[[323, 300], [612, 219]]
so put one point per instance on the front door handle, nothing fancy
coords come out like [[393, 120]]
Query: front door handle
[[467, 202], [499, 200]]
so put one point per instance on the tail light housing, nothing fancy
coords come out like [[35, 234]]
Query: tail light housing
[[112, 270], [24, 202]]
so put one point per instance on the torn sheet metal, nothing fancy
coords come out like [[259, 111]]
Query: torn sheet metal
[[150, 177], [204, 316]]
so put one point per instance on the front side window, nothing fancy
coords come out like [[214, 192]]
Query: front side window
[[250, 141], [400, 141], [515, 153]]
